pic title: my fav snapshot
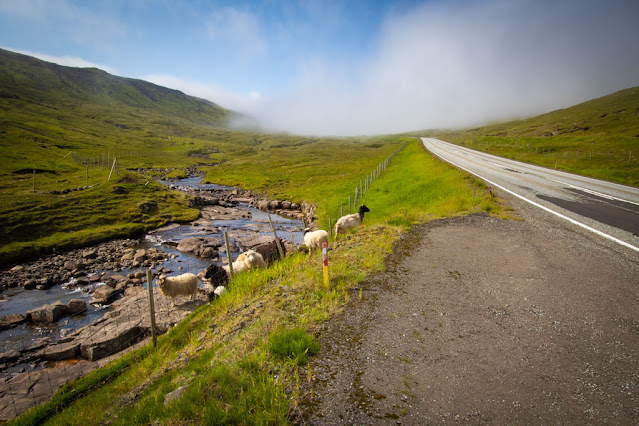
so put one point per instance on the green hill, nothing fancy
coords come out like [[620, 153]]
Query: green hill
[[598, 138]]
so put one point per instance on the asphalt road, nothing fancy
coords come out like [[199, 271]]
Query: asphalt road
[[607, 209]]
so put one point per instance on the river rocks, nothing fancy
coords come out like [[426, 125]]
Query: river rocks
[[61, 268], [47, 313], [200, 246], [104, 295], [8, 321], [9, 356], [53, 312]]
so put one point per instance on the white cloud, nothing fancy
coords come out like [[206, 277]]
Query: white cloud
[[214, 93], [459, 63]]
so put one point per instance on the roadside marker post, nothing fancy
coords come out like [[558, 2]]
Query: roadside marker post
[[324, 252]]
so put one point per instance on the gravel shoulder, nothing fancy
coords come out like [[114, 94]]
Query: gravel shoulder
[[483, 320]]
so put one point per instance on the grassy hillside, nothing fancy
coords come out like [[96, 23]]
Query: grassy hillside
[[598, 138]]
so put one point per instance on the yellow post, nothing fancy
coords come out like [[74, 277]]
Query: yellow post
[[324, 251]]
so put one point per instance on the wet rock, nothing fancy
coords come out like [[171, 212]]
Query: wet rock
[[112, 280], [275, 204], [46, 314], [9, 356], [83, 281], [8, 321], [76, 306], [30, 284], [104, 295], [197, 245], [208, 252]]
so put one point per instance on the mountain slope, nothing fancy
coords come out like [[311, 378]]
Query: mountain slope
[[35, 81]]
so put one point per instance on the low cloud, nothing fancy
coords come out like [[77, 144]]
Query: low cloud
[[459, 63]]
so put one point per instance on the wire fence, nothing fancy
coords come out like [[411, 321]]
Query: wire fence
[[363, 188]]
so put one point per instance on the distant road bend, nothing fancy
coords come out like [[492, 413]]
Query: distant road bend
[[607, 209]]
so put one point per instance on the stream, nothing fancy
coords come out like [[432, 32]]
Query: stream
[[19, 301]]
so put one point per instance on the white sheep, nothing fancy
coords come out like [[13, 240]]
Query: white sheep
[[350, 221], [313, 240], [250, 259], [181, 285]]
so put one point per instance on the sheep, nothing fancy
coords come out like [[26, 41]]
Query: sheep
[[313, 240], [181, 285], [248, 260], [350, 221], [269, 251]]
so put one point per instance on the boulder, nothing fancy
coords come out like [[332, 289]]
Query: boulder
[[9, 356], [8, 321], [104, 295], [76, 306], [30, 284], [59, 352], [112, 280], [208, 252], [219, 290], [47, 314], [90, 253]]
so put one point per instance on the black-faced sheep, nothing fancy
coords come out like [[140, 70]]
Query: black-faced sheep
[[350, 221], [250, 259], [313, 240], [216, 275], [269, 251], [181, 285]]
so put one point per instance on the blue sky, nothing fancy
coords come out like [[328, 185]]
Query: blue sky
[[347, 67]]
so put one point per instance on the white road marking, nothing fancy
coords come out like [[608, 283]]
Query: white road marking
[[583, 225]]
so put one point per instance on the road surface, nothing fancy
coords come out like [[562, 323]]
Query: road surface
[[609, 210]]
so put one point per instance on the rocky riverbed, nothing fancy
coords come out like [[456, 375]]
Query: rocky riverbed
[[108, 310]]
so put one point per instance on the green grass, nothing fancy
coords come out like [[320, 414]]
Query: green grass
[[598, 138], [293, 345], [238, 356]]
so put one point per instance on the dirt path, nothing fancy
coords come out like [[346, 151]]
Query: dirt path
[[482, 320]]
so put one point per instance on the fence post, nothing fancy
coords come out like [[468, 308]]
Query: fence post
[[349, 204], [33, 180], [149, 286], [228, 252], [355, 203], [277, 240], [330, 228], [87, 174], [112, 167]]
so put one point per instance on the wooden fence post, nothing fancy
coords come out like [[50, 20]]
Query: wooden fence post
[[277, 240], [228, 253], [149, 286]]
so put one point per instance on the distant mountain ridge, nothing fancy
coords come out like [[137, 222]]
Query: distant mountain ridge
[[35, 81]]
